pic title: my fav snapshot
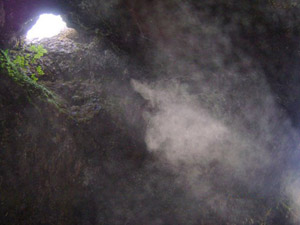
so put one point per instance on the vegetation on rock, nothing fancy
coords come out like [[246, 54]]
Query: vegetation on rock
[[23, 68], [25, 61]]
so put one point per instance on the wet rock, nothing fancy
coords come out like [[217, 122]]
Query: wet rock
[[82, 57], [2, 14], [77, 100]]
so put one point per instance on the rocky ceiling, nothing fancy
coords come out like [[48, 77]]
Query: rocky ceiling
[[125, 20]]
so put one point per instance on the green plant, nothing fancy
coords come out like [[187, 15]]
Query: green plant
[[25, 61], [20, 65], [38, 50], [28, 62], [5, 63]]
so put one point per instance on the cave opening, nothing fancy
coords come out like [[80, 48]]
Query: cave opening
[[48, 25]]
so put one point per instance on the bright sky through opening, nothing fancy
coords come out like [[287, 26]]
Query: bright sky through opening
[[48, 25]]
